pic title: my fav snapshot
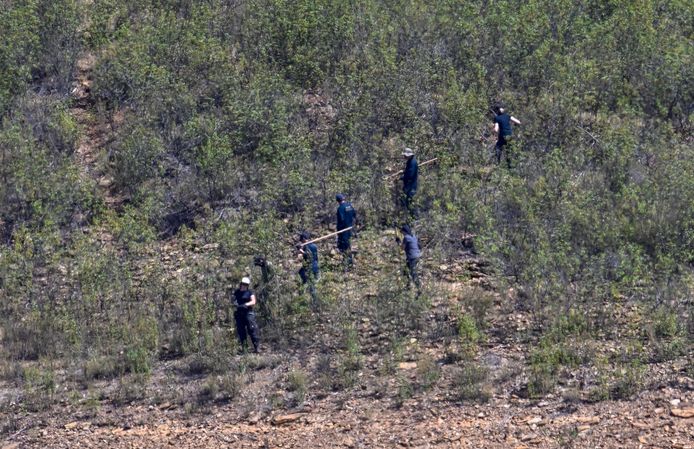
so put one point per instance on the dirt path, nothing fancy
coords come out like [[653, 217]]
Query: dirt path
[[90, 154]]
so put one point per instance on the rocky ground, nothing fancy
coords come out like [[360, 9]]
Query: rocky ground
[[403, 394], [371, 374], [396, 383], [663, 417]]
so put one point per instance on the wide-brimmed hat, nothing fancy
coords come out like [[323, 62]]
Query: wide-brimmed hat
[[408, 152]]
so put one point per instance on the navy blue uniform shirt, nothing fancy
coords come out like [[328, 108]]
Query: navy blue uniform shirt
[[345, 215], [311, 256], [242, 297], [504, 121], [409, 176], [311, 252]]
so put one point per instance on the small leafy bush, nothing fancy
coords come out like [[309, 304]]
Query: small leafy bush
[[297, 384], [469, 383], [469, 336]]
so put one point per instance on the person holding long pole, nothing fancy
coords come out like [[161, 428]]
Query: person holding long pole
[[409, 181]]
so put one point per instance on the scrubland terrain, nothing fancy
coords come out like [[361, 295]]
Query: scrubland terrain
[[150, 149]]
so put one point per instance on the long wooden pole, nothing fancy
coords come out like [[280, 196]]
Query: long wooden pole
[[592, 136], [403, 171], [326, 236]]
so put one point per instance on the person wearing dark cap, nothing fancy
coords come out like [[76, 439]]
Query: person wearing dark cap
[[504, 131], [244, 315], [346, 216], [310, 271], [409, 180], [410, 245]]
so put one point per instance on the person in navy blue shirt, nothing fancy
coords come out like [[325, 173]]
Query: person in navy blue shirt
[[504, 130], [410, 244], [310, 271], [346, 216], [409, 180], [246, 325]]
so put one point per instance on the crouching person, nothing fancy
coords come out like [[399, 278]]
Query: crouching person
[[244, 315]]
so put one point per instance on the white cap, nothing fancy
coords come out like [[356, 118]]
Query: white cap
[[246, 280], [408, 152]]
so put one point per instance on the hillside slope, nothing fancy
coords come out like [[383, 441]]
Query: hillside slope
[[368, 370], [149, 151]]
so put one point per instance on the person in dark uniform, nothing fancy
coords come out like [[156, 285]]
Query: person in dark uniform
[[410, 245], [409, 180], [310, 271], [504, 131], [245, 316], [346, 216]]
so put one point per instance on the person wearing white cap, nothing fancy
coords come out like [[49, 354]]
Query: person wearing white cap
[[409, 180], [244, 315]]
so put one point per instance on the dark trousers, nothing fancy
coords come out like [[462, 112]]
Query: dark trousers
[[310, 276], [412, 272], [408, 202], [503, 146], [245, 326], [345, 247]]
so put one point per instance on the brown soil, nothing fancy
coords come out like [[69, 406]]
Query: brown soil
[[359, 420], [90, 154], [169, 411]]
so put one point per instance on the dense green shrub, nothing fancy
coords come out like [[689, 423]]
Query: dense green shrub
[[41, 186]]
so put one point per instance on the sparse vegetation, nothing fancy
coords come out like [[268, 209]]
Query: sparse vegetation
[[220, 388], [102, 368], [428, 373], [39, 388], [130, 389], [297, 383], [149, 150], [469, 335], [470, 384]]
